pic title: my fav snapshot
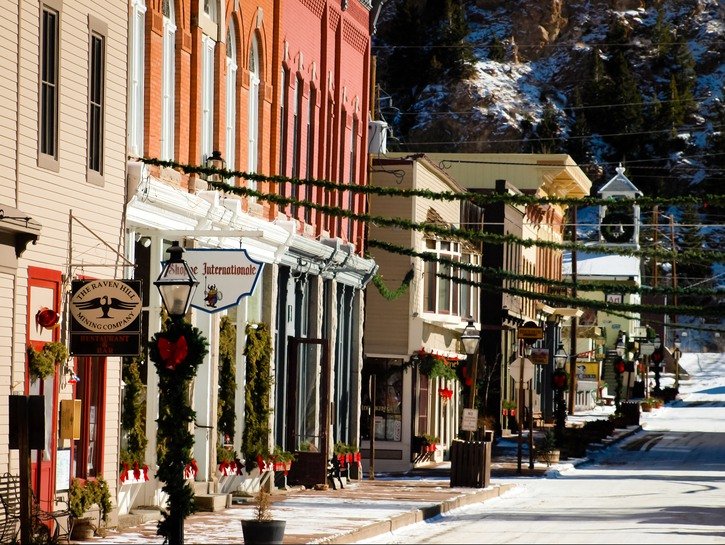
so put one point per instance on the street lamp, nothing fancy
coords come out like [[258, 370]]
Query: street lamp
[[619, 347], [658, 357], [619, 367], [176, 353], [676, 353], [216, 162], [560, 383], [470, 337]]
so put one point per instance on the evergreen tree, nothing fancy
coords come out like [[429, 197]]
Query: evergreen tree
[[547, 134], [684, 74], [690, 237], [662, 36], [577, 144]]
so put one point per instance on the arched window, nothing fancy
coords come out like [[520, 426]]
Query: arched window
[[207, 96], [253, 114], [135, 125], [231, 92], [167, 81]]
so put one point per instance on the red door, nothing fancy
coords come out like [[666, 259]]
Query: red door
[[44, 289]]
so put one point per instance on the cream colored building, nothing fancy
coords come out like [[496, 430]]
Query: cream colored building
[[63, 156], [425, 322]]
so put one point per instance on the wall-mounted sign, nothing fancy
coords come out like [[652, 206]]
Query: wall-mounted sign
[[225, 276], [105, 318], [539, 356]]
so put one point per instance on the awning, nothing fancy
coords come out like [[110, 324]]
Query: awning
[[17, 229]]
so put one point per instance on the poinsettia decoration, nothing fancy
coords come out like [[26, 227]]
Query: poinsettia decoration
[[560, 379]]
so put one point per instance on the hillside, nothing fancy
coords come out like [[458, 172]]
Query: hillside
[[637, 81]]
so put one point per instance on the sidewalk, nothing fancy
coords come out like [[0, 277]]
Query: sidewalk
[[363, 509]]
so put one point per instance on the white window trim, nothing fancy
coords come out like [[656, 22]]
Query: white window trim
[[136, 79], [207, 96], [253, 113], [168, 87], [231, 104]]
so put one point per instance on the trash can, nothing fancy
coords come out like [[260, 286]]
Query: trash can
[[471, 462]]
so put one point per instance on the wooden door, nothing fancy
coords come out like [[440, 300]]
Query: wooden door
[[308, 410]]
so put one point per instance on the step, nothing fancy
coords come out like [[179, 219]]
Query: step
[[138, 517], [212, 502]]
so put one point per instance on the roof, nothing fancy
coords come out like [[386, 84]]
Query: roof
[[620, 184], [603, 266]]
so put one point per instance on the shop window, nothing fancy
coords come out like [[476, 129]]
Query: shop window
[[388, 410]]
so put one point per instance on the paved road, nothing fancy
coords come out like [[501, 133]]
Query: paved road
[[665, 484]]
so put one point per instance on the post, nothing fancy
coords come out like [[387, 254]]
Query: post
[[474, 374], [519, 417], [373, 389], [531, 424], [24, 455], [572, 364]]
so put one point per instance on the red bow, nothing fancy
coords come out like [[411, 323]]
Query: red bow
[[173, 353], [124, 473], [145, 472], [136, 471]]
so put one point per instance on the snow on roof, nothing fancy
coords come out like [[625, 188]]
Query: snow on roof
[[618, 185], [603, 265]]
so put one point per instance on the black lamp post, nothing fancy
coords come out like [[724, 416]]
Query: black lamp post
[[176, 353], [676, 353], [560, 384], [470, 338], [619, 367], [657, 358]]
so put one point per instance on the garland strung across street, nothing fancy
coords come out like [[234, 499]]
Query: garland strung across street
[[708, 199], [606, 287], [389, 294]]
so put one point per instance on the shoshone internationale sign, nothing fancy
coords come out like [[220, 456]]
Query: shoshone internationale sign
[[225, 276]]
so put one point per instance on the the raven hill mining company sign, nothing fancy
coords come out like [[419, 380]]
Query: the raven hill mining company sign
[[225, 276], [105, 318]]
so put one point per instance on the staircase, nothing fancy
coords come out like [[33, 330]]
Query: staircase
[[608, 374]]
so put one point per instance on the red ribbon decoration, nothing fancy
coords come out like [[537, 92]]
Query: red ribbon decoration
[[124, 473], [173, 353], [47, 318], [260, 463], [619, 366], [145, 472], [136, 471]]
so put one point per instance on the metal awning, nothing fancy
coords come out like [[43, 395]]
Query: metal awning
[[17, 228]]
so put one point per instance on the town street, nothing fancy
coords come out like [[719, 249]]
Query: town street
[[665, 484]]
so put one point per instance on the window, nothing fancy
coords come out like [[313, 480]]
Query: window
[[96, 99], [447, 295], [351, 180], [283, 130], [135, 126], [296, 140], [388, 410], [231, 92], [90, 389], [168, 86], [48, 118], [207, 96], [253, 116], [309, 172]]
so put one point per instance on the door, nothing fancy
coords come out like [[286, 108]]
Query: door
[[308, 410]]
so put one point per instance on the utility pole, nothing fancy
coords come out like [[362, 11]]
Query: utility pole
[[655, 227], [572, 364], [673, 316]]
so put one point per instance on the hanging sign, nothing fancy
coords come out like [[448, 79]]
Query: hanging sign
[[539, 356], [225, 276], [105, 318]]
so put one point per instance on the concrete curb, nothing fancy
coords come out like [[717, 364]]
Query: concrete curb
[[417, 515]]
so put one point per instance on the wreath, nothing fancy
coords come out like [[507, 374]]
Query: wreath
[[434, 365]]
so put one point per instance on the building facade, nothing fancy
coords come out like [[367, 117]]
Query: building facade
[[63, 149]]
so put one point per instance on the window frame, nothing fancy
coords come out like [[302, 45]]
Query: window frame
[[136, 42], [310, 162], [168, 85], [432, 285], [95, 163], [231, 98], [48, 126]]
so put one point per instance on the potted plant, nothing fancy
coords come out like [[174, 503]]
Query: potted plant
[[263, 529], [282, 459], [81, 497], [546, 449], [41, 363]]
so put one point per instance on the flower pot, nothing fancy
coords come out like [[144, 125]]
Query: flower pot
[[83, 528], [263, 532], [549, 457]]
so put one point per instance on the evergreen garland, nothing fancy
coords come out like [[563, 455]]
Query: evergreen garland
[[713, 199], [133, 420], [391, 295], [41, 363], [227, 378], [258, 352], [175, 417]]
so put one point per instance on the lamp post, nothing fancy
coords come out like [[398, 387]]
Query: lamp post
[[470, 337], [176, 352], [657, 358], [646, 348], [216, 162], [560, 383], [619, 369], [676, 354]]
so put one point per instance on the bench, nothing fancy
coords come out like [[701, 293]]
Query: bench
[[47, 527]]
